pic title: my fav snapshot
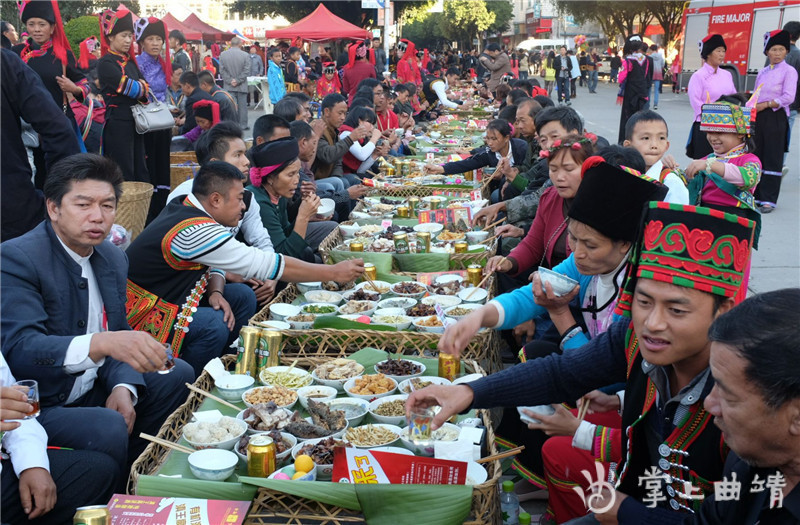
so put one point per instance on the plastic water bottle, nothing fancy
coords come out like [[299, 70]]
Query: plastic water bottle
[[524, 518], [509, 504]]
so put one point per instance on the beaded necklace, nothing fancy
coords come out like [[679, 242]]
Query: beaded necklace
[[27, 53]]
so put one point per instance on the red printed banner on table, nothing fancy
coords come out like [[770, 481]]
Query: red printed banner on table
[[143, 510], [460, 217], [359, 466]]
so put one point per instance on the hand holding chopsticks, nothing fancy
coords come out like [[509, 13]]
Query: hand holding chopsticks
[[584, 408], [492, 225]]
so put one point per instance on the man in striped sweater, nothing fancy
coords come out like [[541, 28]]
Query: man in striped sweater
[[176, 285]]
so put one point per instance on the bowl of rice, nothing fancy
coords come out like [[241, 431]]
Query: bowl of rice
[[222, 434]]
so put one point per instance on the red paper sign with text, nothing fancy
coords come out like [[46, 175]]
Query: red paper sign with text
[[360, 466], [143, 510]]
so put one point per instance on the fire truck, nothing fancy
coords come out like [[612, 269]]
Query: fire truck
[[742, 23]]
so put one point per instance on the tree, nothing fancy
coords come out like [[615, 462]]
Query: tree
[[503, 14], [669, 14], [349, 10], [465, 19], [79, 29]]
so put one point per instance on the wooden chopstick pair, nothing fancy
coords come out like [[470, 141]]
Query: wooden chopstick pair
[[502, 455], [212, 396], [167, 444], [495, 223], [583, 409]]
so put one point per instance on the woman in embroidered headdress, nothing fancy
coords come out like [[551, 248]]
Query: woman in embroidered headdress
[[778, 85], [408, 66], [122, 85], [151, 34], [633, 80], [47, 51], [360, 65], [707, 84], [329, 82]]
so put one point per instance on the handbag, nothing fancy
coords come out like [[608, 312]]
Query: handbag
[[154, 116]]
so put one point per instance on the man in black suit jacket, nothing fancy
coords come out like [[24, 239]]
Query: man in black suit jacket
[[62, 292]]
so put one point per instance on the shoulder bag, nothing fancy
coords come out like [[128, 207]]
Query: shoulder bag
[[153, 116]]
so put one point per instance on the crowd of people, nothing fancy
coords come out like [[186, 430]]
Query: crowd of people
[[678, 367]]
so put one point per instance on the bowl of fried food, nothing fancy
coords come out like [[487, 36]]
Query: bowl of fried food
[[413, 289], [337, 372], [280, 395], [418, 383], [370, 386], [390, 409], [374, 435], [399, 369], [286, 376], [431, 324]]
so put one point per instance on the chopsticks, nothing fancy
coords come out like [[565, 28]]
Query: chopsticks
[[502, 455], [483, 281], [495, 223], [168, 444], [490, 239], [583, 409], [212, 396]]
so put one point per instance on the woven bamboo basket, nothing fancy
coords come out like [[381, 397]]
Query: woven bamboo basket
[[181, 173], [273, 507], [458, 261], [179, 157], [134, 203], [315, 346], [418, 191]]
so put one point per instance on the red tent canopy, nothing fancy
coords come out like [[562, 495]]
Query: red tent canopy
[[208, 31], [321, 26], [188, 32]]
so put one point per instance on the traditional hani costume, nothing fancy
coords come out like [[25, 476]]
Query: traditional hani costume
[[360, 66], [207, 109], [52, 59], [707, 84], [633, 80], [671, 439], [327, 87], [609, 200], [777, 83], [408, 66], [122, 86], [157, 72]]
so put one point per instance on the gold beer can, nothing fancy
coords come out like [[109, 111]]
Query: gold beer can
[[469, 175], [271, 341], [356, 246], [370, 272], [92, 515], [260, 456], [400, 243], [423, 242], [461, 246], [449, 366], [474, 274], [436, 203], [403, 212], [413, 204], [247, 358]]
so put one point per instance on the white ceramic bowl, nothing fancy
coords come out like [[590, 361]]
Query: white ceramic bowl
[[213, 464], [431, 227], [547, 410], [324, 472], [476, 474], [349, 230], [323, 297], [561, 284], [394, 428], [405, 386], [476, 237], [347, 296], [325, 209], [469, 378], [351, 383], [422, 290], [389, 420], [354, 409], [445, 300], [336, 435], [430, 329], [425, 448], [465, 306], [288, 406], [305, 287], [475, 248], [397, 302], [232, 386], [338, 384], [300, 325], [394, 450], [369, 311], [398, 378], [317, 393], [290, 471], [302, 376], [251, 431], [287, 438], [273, 325], [383, 287], [280, 311], [400, 325], [478, 296], [304, 309], [221, 445], [390, 311]]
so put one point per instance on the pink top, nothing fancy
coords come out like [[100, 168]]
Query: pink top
[[707, 85], [743, 170]]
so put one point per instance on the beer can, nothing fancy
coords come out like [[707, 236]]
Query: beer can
[[449, 366], [401, 243], [403, 212], [271, 341], [423, 242], [247, 358], [356, 246], [406, 171], [92, 515], [474, 274], [413, 204], [436, 203], [260, 456], [370, 272], [390, 171], [461, 246], [469, 175]]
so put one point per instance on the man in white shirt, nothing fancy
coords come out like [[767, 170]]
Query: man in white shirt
[[40, 485], [62, 292]]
